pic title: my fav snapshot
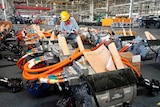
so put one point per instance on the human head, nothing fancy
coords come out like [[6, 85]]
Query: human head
[[64, 15]]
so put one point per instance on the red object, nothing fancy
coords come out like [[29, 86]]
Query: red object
[[37, 21], [19, 35], [30, 7], [18, 2], [67, 22]]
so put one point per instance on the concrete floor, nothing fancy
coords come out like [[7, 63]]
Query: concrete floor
[[149, 69]]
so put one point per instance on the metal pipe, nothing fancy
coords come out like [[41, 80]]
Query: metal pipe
[[32, 8], [91, 11], [107, 8], [131, 9], [4, 10], [29, 7]]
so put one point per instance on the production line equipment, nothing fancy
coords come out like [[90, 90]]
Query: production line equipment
[[10, 50], [96, 77], [148, 48], [9, 47]]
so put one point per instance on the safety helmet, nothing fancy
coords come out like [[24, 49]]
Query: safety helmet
[[64, 16]]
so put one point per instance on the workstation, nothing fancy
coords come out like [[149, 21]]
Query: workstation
[[79, 53]]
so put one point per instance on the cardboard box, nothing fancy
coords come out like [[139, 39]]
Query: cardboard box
[[135, 60], [137, 65], [127, 55]]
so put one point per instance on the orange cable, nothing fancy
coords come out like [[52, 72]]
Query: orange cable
[[53, 69], [126, 62]]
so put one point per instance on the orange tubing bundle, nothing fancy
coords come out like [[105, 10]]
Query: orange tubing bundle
[[56, 69], [31, 38], [31, 73]]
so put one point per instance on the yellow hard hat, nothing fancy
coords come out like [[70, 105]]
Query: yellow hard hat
[[64, 15]]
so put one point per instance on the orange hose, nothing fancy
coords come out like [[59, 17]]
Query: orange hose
[[57, 69], [30, 35], [32, 41], [30, 47], [94, 48], [106, 43], [53, 69], [47, 34], [124, 49], [126, 62], [48, 67], [21, 62]]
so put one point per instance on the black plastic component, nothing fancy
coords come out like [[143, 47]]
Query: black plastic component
[[153, 42], [54, 41], [43, 41], [126, 38], [126, 105], [109, 80], [1, 56], [152, 85], [15, 84]]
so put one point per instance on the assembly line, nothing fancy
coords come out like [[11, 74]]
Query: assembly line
[[99, 72]]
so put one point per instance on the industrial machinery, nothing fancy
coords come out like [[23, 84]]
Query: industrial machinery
[[80, 84], [103, 89], [148, 49], [10, 48], [15, 84]]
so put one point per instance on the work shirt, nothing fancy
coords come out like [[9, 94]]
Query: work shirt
[[73, 26]]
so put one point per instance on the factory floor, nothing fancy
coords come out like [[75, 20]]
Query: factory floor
[[150, 69]]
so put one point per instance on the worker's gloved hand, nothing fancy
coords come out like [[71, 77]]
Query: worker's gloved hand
[[75, 32], [72, 31], [56, 32], [65, 32]]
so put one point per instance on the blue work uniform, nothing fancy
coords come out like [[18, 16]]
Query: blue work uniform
[[70, 28]]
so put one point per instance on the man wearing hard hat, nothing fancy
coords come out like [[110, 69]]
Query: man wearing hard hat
[[68, 26]]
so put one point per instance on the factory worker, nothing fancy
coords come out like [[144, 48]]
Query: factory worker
[[68, 26]]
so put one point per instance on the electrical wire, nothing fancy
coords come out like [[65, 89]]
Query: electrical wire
[[125, 47], [56, 69], [126, 62]]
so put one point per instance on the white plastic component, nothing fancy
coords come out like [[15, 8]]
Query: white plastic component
[[136, 58], [32, 60], [43, 80], [31, 65], [25, 56]]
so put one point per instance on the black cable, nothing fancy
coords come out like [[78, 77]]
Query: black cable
[[153, 50], [90, 87]]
